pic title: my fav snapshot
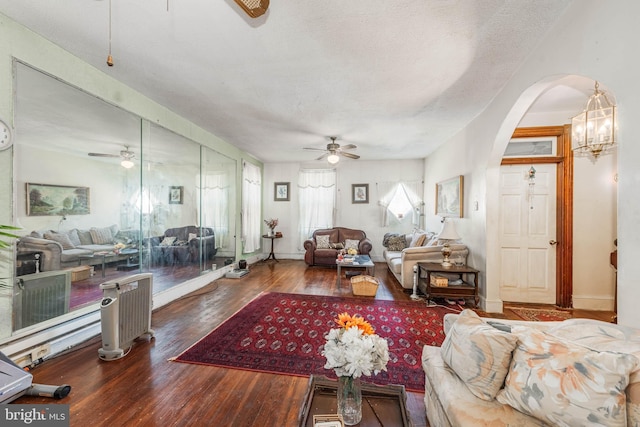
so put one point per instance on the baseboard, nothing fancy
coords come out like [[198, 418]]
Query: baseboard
[[593, 302], [491, 306]]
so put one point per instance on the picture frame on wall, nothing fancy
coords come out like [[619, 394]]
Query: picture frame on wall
[[176, 195], [359, 193], [449, 198], [56, 200], [281, 191]]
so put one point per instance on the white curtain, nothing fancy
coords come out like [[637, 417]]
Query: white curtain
[[411, 191], [387, 189], [214, 209], [251, 201], [317, 195]]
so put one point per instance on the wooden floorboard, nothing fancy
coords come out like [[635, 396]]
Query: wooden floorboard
[[145, 389]]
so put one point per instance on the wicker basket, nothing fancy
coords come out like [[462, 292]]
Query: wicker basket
[[439, 281], [364, 285]]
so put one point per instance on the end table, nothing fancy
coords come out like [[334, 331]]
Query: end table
[[468, 288], [273, 238]]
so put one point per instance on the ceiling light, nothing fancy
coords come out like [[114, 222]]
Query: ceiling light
[[594, 130], [333, 158], [127, 164]]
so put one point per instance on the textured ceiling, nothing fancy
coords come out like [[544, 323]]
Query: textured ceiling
[[396, 78]]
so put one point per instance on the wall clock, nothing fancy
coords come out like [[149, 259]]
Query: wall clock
[[5, 136]]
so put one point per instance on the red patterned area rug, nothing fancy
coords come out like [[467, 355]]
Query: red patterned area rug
[[284, 334], [541, 314]]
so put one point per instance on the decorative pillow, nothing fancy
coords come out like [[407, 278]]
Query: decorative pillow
[[351, 244], [168, 241], [417, 240], [101, 236], [336, 245], [478, 353], [387, 236], [322, 242], [563, 383], [396, 243], [85, 237], [191, 236], [63, 239], [73, 236]]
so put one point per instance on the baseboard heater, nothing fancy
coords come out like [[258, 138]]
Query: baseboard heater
[[125, 314]]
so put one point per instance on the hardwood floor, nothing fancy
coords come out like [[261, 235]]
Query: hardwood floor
[[145, 389]]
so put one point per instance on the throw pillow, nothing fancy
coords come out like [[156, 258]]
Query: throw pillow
[[479, 354], [351, 244], [63, 239], [417, 240], [396, 243], [85, 237], [336, 245], [387, 236], [73, 236], [101, 236], [322, 242], [191, 236], [168, 241], [563, 383]]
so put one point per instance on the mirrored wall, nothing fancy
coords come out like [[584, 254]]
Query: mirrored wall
[[101, 193]]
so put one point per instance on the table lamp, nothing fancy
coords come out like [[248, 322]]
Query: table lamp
[[447, 234]]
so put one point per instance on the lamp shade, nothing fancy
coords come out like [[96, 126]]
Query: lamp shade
[[448, 231]]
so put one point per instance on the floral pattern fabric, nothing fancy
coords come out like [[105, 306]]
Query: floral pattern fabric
[[567, 384]]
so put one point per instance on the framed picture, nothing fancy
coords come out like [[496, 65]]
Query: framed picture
[[449, 197], [359, 193], [56, 200], [176, 195], [281, 191]]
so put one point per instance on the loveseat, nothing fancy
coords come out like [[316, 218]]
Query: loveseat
[[323, 246], [75, 247], [495, 372], [182, 245], [402, 251]]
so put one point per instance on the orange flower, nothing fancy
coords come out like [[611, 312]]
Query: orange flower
[[347, 321]]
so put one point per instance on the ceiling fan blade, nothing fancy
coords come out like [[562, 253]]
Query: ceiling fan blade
[[348, 147], [313, 149], [103, 155], [349, 155], [323, 156]]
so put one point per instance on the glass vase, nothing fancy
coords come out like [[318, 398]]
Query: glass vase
[[350, 400]]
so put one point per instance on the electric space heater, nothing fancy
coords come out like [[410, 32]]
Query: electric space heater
[[125, 314]]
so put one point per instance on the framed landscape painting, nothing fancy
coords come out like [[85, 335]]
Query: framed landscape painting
[[57, 200], [449, 198]]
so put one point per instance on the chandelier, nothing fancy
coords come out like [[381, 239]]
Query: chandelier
[[594, 130]]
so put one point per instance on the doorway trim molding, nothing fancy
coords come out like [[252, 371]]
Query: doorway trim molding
[[564, 202]]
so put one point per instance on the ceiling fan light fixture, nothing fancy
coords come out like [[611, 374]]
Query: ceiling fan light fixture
[[333, 158], [127, 164]]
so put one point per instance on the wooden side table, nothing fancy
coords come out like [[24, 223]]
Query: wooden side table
[[468, 288], [273, 238]]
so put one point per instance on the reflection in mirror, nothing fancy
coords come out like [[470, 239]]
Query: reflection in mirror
[[70, 190]]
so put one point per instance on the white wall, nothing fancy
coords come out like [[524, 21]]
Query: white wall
[[366, 217], [592, 39]]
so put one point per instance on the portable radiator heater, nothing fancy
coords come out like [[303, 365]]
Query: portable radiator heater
[[125, 314]]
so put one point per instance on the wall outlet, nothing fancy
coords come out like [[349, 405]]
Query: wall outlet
[[32, 356]]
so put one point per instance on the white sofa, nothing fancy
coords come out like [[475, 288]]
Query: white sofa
[[401, 261], [576, 372]]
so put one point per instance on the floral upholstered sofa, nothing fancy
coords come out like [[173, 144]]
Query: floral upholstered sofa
[[495, 372]]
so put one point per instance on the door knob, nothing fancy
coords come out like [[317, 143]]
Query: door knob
[[553, 242]]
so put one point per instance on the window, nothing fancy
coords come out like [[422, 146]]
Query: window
[[399, 200], [317, 195], [251, 201]]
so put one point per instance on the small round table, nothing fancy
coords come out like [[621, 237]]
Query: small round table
[[273, 238]]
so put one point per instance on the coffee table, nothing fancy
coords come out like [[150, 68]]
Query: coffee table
[[359, 261], [381, 405]]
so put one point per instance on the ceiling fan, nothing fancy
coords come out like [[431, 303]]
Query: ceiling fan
[[126, 155], [334, 151]]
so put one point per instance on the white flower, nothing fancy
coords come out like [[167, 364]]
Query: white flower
[[352, 352]]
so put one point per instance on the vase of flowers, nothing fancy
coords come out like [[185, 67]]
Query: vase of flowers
[[353, 350], [271, 223]]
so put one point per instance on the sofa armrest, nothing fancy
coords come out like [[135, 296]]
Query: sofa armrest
[[365, 246], [450, 319], [51, 251], [310, 245]]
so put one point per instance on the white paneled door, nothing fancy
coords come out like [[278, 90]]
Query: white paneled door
[[528, 233]]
